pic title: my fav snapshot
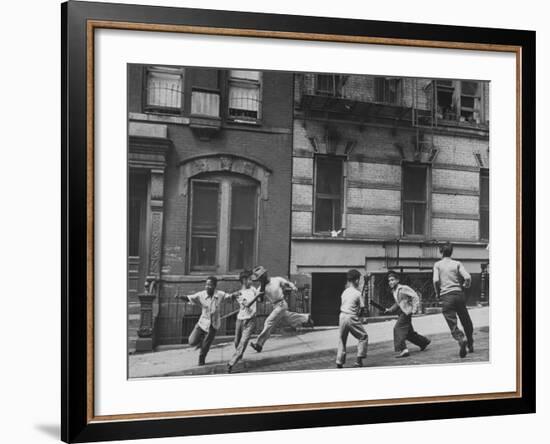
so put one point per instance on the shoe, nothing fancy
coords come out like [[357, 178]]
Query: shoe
[[339, 365], [404, 354], [471, 347], [358, 363], [229, 368], [201, 361], [462, 352], [309, 322], [425, 345], [256, 346]]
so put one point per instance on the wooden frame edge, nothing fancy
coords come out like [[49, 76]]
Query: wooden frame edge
[[95, 24]]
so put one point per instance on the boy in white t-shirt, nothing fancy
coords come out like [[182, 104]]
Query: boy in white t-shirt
[[246, 318], [350, 322]]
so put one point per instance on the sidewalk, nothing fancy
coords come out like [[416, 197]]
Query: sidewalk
[[284, 348]]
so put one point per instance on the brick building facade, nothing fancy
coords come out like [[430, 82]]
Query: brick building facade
[[384, 169], [306, 174], [209, 182]]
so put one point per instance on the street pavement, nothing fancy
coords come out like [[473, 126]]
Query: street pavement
[[316, 349]]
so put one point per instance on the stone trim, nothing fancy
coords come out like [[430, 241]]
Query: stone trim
[[373, 212], [302, 180], [229, 163], [302, 208], [457, 216], [455, 191], [374, 185]]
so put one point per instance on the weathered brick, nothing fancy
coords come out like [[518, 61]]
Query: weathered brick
[[374, 199]]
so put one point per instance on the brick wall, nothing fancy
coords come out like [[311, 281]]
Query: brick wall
[[373, 181]]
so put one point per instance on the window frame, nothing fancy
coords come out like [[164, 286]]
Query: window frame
[[337, 81], [398, 91], [159, 109], [225, 183], [456, 91], [247, 83], [482, 208], [427, 212], [342, 160], [202, 269]]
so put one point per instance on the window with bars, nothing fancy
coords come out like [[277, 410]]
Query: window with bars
[[223, 225], [164, 90], [244, 98], [387, 90], [328, 193], [484, 204], [415, 199]]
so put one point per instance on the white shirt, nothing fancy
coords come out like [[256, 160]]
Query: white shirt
[[244, 298], [210, 315], [352, 301], [406, 298], [274, 289]]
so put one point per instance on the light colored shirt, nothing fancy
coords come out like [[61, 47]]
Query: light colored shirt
[[244, 298], [352, 301], [274, 289], [450, 274], [210, 305], [406, 298]]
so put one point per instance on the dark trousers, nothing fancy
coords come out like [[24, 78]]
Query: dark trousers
[[202, 340], [403, 331], [454, 304]]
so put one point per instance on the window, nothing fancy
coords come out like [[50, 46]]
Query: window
[[329, 85], [446, 104], [223, 223], [204, 226], [459, 101], [328, 193], [243, 227], [470, 101], [484, 204], [244, 101], [415, 199], [387, 90], [164, 90]]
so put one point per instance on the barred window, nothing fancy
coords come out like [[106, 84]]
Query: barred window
[[164, 90], [244, 101]]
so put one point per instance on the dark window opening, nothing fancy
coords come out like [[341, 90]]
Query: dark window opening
[[415, 200], [137, 196], [243, 227], [204, 226], [328, 194], [387, 90], [484, 204], [329, 85]]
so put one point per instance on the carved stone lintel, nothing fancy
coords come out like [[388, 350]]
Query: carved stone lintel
[[226, 163]]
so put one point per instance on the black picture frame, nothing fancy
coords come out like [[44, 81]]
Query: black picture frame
[[77, 422]]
